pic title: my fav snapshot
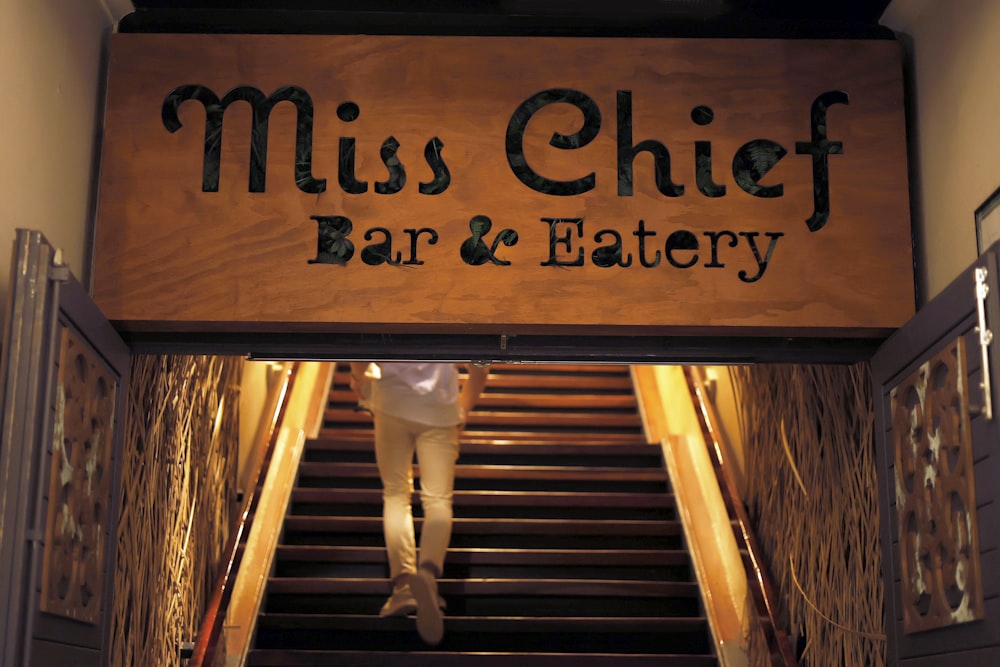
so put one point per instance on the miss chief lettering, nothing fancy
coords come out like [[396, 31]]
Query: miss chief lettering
[[681, 249]]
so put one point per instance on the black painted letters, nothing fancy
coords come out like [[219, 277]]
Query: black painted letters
[[515, 140], [262, 106], [819, 148], [565, 241]]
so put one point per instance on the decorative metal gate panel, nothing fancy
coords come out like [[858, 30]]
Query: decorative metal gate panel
[[939, 471], [63, 373]]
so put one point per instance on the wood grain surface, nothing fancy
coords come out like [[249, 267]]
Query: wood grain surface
[[170, 256]]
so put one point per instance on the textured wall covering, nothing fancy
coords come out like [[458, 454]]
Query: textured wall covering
[[813, 497], [179, 470]]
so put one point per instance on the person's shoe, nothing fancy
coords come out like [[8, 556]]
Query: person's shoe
[[430, 618], [400, 603]]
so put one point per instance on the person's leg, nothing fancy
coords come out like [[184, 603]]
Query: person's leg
[[437, 451], [394, 456]]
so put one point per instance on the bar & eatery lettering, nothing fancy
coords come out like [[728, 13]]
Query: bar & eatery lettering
[[573, 240]]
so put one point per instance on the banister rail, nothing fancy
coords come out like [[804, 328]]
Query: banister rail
[[215, 614], [762, 589]]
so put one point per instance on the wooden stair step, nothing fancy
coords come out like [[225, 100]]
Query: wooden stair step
[[601, 404], [288, 568], [501, 436], [601, 422], [610, 383], [588, 369], [499, 556], [475, 442], [494, 624], [618, 382], [475, 498], [428, 658], [571, 368], [367, 562], [627, 454], [551, 377], [516, 587], [346, 398], [363, 433], [498, 540], [494, 604], [510, 367], [472, 443], [493, 633], [481, 504], [463, 526], [573, 473], [590, 418]]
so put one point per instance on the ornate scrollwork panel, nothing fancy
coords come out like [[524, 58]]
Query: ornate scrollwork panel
[[935, 494], [80, 485]]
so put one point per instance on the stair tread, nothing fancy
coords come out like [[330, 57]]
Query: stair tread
[[536, 398], [467, 556], [606, 380], [474, 445], [498, 498], [492, 526], [543, 422], [522, 587], [525, 369], [490, 471], [492, 624], [430, 658], [363, 433]]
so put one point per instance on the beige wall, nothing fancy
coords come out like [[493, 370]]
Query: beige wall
[[253, 400], [726, 405], [51, 66], [954, 53], [259, 388], [51, 57]]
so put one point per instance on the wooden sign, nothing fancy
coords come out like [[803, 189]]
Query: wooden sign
[[507, 184]]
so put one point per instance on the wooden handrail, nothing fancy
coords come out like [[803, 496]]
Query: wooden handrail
[[764, 596], [211, 626]]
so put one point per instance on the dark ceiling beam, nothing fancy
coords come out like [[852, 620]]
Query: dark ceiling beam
[[615, 18], [280, 22]]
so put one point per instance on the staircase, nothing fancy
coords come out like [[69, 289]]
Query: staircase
[[566, 549]]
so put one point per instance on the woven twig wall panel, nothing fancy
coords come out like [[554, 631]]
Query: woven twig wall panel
[[178, 488], [813, 496]]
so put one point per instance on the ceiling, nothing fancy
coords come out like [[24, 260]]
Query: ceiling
[[661, 18]]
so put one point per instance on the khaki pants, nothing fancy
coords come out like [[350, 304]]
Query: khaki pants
[[436, 448]]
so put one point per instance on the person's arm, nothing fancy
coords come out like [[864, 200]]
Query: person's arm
[[473, 387], [357, 373], [358, 378]]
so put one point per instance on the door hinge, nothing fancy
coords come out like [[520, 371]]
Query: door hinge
[[985, 338], [58, 271]]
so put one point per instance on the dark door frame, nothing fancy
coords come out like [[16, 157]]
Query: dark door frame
[[514, 348]]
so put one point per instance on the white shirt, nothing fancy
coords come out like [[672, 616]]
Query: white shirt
[[426, 393]]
